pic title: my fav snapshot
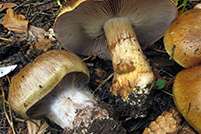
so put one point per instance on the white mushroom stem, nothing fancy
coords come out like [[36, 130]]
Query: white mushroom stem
[[71, 106], [133, 73], [66, 106]]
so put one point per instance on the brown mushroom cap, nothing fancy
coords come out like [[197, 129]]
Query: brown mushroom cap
[[37, 79], [79, 26], [187, 95], [182, 39]]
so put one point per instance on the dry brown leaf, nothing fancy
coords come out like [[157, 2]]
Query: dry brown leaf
[[157, 74], [187, 129], [36, 32], [44, 45], [36, 129], [4, 6], [14, 22]]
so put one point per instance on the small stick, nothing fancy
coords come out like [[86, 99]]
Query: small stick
[[5, 39], [167, 92], [6, 114], [86, 58], [8, 80], [110, 76], [3, 94], [167, 73], [169, 82], [162, 51], [11, 120]]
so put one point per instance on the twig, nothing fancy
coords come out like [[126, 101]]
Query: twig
[[167, 92], [8, 80], [136, 126], [10, 121], [40, 3], [34, 4], [19, 120], [3, 94], [162, 51], [169, 82], [86, 58], [5, 39], [20, 5], [7, 117], [110, 76], [167, 73]]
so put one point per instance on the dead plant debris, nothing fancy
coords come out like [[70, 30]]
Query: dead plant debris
[[26, 33]]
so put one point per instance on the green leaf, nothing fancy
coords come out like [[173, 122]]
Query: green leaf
[[160, 84]]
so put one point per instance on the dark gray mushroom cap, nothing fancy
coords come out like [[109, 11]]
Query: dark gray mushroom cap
[[81, 30]]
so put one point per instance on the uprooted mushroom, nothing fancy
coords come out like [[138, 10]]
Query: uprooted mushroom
[[54, 86], [111, 29]]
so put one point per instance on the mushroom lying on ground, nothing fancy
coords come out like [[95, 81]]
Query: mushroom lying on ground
[[182, 43], [54, 86], [111, 29], [187, 95], [182, 39]]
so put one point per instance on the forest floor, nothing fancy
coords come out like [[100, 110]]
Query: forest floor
[[20, 48]]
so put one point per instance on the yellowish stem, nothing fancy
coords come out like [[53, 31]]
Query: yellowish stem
[[132, 72]]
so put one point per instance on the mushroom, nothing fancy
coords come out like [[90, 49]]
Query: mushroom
[[182, 39], [111, 29], [182, 42], [54, 86], [187, 95]]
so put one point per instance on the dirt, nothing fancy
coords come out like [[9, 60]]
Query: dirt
[[20, 51]]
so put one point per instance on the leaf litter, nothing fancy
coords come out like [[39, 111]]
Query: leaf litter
[[28, 25]]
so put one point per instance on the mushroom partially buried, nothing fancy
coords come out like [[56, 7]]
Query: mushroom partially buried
[[55, 86], [182, 39], [187, 95], [111, 29]]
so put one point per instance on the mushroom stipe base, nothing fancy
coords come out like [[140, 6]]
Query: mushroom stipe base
[[127, 109], [106, 125]]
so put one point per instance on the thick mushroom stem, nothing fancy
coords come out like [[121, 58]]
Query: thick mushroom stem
[[54, 85], [73, 107], [133, 74], [66, 107]]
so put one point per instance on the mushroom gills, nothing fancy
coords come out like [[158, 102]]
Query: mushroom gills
[[83, 27], [65, 103]]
